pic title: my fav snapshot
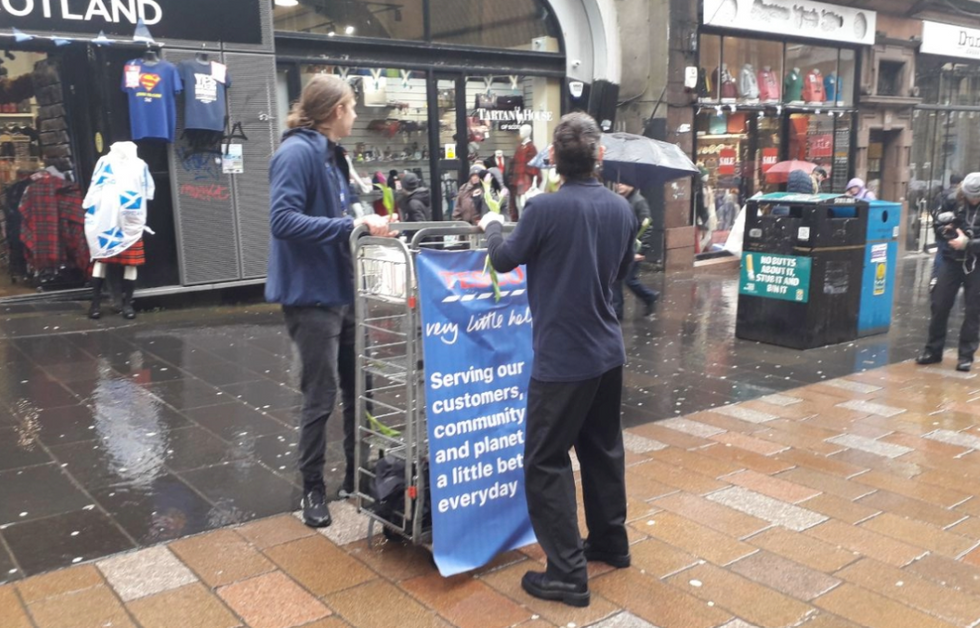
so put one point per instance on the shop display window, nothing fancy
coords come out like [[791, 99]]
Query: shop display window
[[708, 88], [811, 139], [812, 76], [750, 71], [847, 71], [390, 134], [723, 152]]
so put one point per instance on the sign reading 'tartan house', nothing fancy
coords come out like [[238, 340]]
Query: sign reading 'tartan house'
[[797, 18], [950, 41], [237, 21]]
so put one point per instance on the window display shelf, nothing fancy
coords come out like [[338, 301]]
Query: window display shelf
[[16, 115]]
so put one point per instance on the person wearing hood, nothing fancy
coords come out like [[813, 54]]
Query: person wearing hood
[[958, 269], [799, 182], [469, 200], [311, 272], [415, 201], [857, 189]]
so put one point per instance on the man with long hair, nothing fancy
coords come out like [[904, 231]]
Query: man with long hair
[[311, 271]]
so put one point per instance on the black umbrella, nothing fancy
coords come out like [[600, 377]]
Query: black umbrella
[[640, 161]]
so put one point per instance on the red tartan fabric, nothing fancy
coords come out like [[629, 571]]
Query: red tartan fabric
[[523, 175], [133, 256], [52, 224]]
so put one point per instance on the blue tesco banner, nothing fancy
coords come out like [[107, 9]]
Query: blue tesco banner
[[477, 368]]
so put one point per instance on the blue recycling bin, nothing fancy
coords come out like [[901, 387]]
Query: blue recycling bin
[[880, 259]]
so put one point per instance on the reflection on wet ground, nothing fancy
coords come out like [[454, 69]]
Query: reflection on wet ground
[[117, 435]]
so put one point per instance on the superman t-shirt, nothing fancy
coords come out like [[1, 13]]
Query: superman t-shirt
[[152, 89]]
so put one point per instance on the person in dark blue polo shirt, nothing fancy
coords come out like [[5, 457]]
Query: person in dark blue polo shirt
[[577, 243]]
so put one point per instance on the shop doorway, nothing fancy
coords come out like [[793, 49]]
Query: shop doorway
[[60, 110]]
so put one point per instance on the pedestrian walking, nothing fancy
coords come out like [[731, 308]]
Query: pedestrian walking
[[311, 271], [961, 231], [641, 210], [576, 243]]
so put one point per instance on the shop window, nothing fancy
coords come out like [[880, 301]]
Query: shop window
[[891, 78], [811, 139], [847, 73], [353, 18], [390, 136], [840, 173], [498, 24], [751, 71], [723, 153], [708, 88], [812, 75]]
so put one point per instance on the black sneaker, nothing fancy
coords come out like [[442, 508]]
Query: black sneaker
[[964, 366], [649, 307], [315, 511]]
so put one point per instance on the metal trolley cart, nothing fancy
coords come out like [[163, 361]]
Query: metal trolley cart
[[391, 435]]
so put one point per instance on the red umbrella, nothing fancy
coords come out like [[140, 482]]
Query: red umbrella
[[779, 173]]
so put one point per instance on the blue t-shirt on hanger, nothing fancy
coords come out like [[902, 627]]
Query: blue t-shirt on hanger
[[152, 87], [205, 84]]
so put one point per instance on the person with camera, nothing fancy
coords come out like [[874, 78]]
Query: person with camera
[[960, 229]]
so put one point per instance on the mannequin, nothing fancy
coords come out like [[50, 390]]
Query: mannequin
[[521, 174], [813, 86], [832, 87], [768, 85], [793, 86], [498, 161], [729, 89], [748, 83], [115, 219]]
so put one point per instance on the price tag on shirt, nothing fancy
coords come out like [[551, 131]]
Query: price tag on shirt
[[132, 76], [219, 72]]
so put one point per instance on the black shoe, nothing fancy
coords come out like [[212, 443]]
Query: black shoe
[[541, 586], [95, 311], [928, 358], [315, 511], [649, 307], [619, 561], [128, 312], [964, 366]]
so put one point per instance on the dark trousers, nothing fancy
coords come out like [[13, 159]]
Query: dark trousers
[[324, 337], [950, 278], [633, 283], [585, 415]]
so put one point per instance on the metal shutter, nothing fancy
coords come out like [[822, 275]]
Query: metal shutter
[[252, 102], [207, 238]]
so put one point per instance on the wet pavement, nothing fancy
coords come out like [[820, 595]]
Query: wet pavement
[[849, 503], [117, 435]]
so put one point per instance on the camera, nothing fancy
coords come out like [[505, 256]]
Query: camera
[[948, 222]]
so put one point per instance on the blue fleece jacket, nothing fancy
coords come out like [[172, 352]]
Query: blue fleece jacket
[[309, 253]]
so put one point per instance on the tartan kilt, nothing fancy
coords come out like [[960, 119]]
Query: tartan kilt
[[133, 256]]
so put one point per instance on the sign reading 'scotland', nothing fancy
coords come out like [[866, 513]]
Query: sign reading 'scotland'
[[477, 368], [235, 21]]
